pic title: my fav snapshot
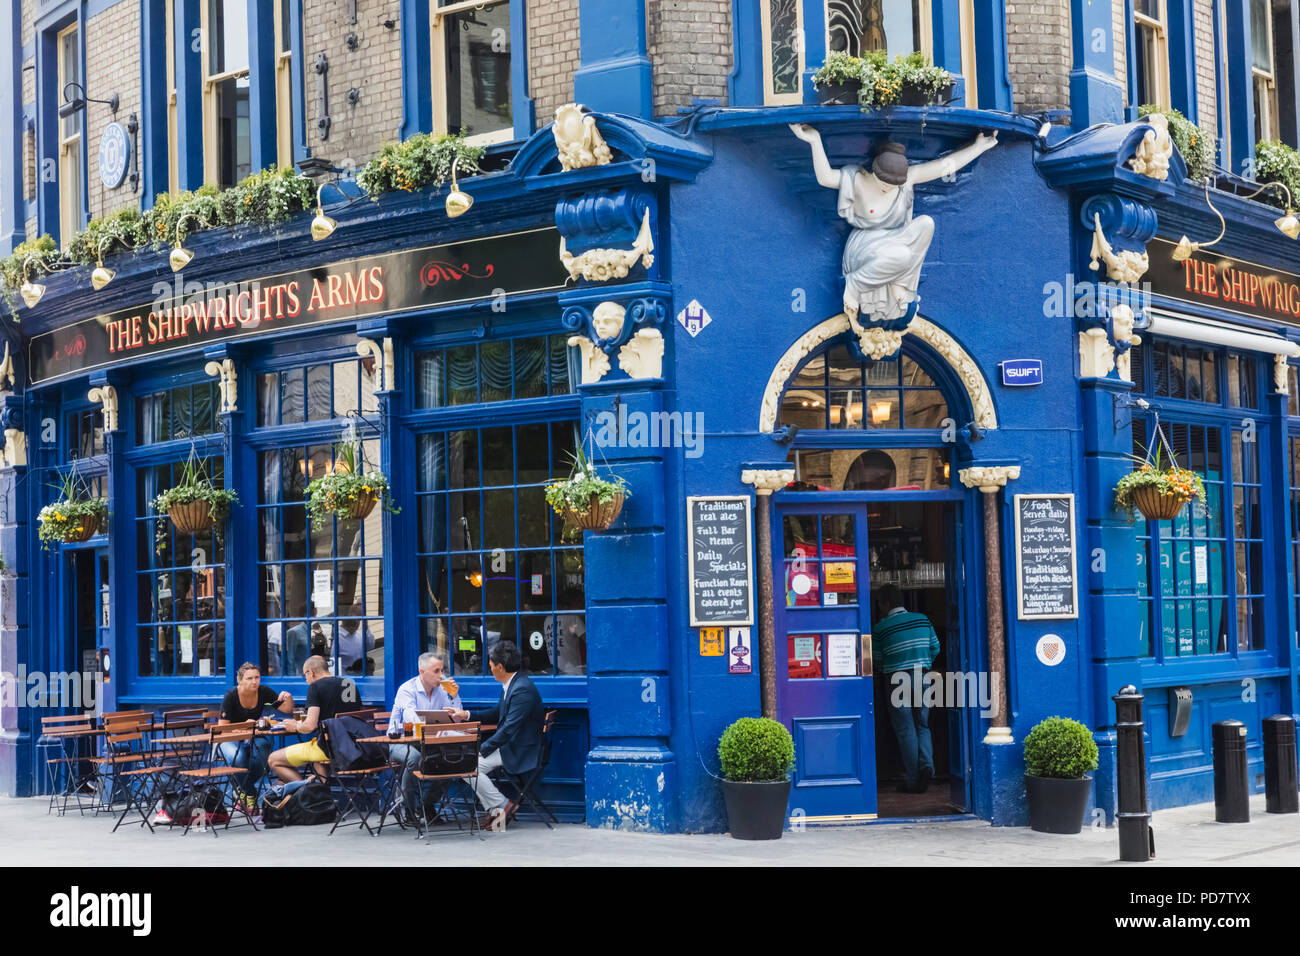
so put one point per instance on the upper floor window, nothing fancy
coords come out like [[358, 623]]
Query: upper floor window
[[227, 153], [70, 151], [173, 141], [895, 26], [285, 14], [471, 69], [1270, 46], [1152, 35]]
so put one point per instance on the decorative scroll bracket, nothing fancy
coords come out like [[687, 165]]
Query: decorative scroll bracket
[[106, 395], [228, 384]]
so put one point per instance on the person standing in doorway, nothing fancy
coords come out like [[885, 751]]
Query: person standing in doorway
[[905, 645]]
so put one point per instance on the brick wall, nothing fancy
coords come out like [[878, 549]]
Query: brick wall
[[1121, 49], [357, 131], [1206, 95], [29, 20], [109, 71], [1038, 53], [552, 55], [690, 45], [29, 139]]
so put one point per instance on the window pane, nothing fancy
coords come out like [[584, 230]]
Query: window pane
[[478, 70], [234, 144], [783, 45], [227, 36], [1261, 24], [429, 380]]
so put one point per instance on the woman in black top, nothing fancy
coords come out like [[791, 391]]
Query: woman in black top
[[244, 702]]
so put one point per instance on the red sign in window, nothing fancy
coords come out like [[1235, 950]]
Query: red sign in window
[[805, 655]]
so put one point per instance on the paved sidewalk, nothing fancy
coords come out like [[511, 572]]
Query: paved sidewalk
[[1185, 836]]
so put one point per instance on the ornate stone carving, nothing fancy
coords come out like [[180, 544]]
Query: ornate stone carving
[[382, 354], [1121, 318], [1281, 379], [577, 140], [988, 478], [601, 265], [228, 384], [875, 341], [14, 452], [607, 321], [767, 480], [643, 354], [7, 370], [1124, 266], [972, 379], [1152, 155], [106, 395], [1096, 354], [595, 363]]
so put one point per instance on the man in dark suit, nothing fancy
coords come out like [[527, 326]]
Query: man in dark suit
[[517, 744]]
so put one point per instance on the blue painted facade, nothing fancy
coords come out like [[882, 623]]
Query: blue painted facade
[[740, 226]]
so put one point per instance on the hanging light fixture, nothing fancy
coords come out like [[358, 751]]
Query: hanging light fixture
[[322, 226], [29, 290], [458, 202], [1287, 223], [102, 275], [180, 256], [880, 412]]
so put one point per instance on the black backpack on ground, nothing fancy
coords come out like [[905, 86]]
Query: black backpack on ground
[[182, 805], [309, 805]]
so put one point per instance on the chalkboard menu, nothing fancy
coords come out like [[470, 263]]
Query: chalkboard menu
[[1046, 581], [721, 561]]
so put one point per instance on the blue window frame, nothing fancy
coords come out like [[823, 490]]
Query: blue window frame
[[1203, 576], [497, 371], [180, 582], [186, 411]]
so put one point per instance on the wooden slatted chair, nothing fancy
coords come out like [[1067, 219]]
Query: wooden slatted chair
[[451, 753], [64, 768], [126, 746], [219, 777]]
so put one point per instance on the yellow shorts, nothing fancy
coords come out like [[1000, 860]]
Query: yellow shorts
[[300, 754]]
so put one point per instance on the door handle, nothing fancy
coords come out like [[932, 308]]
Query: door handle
[[865, 669]]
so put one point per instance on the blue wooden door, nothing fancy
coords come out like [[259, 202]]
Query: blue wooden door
[[824, 689]]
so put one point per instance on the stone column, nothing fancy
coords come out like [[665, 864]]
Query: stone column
[[989, 480], [766, 481]]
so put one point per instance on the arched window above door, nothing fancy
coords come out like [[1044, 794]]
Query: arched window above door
[[835, 390]]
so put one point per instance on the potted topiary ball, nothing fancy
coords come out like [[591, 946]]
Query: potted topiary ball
[[756, 755], [1059, 753]]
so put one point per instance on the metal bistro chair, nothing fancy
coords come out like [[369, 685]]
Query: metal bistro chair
[[188, 723], [56, 732], [126, 746], [221, 778], [448, 752], [364, 789], [527, 783]]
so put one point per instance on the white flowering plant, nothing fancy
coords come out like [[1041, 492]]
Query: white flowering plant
[[574, 494], [346, 490], [73, 515]]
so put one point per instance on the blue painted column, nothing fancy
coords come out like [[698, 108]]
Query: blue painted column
[[1274, 460], [991, 65], [1096, 96], [1240, 86], [261, 84], [122, 558], [631, 774], [1182, 57], [189, 95], [614, 72], [15, 626], [1109, 565], [154, 146]]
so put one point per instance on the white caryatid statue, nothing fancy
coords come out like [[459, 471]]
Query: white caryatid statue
[[885, 251]]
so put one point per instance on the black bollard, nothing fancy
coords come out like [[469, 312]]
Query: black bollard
[[1231, 791], [1136, 839], [1280, 792]]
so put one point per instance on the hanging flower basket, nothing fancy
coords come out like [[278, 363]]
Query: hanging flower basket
[[1156, 506], [73, 518], [84, 530], [1158, 490], [348, 492], [191, 517], [596, 516], [585, 501]]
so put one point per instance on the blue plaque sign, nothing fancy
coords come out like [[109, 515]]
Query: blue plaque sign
[[1020, 372], [114, 156]]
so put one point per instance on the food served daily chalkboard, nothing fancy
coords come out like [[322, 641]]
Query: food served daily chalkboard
[[1046, 578], [721, 556]]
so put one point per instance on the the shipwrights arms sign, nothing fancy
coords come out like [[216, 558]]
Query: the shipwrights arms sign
[[1225, 283], [191, 316]]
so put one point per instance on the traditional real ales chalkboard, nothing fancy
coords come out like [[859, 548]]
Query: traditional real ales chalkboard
[[721, 556], [1046, 579]]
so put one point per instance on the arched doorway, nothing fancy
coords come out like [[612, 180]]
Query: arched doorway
[[871, 530]]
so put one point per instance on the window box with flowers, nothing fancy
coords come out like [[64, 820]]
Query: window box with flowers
[[873, 81]]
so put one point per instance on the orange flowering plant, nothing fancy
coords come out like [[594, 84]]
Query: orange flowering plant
[[1169, 481], [347, 491]]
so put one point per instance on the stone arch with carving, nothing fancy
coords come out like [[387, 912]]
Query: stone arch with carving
[[964, 368]]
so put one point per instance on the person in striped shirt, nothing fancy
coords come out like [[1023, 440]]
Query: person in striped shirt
[[905, 645]]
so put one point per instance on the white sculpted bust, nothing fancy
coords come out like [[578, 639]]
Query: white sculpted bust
[[885, 250]]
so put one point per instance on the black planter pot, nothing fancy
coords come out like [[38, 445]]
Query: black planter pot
[[910, 96], [1055, 805], [756, 811], [839, 94]]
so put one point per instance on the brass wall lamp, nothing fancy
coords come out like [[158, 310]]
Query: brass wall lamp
[[1287, 223]]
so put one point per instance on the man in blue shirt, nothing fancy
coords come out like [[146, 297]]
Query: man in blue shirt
[[425, 691], [905, 646]]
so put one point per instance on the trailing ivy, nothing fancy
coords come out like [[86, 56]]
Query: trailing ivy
[[1277, 162], [418, 162], [1194, 144]]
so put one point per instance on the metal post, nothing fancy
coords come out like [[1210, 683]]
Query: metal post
[[767, 621], [1231, 790], [1137, 842], [999, 731], [1280, 792]]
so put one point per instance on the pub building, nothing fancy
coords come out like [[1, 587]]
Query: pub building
[[677, 304]]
